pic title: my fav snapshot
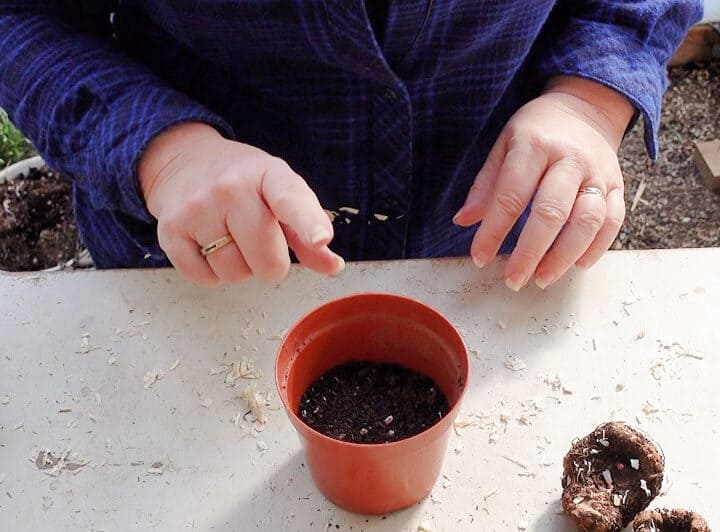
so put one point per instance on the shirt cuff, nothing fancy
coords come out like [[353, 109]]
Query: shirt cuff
[[125, 131], [605, 54]]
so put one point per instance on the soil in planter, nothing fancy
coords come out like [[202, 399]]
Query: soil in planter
[[370, 402], [609, 476], [670, 521], [37, 226]]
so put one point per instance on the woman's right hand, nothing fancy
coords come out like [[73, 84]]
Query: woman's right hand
[[201, 186]]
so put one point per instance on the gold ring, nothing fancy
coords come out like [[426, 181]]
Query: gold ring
[[213, 246], [591, 190]]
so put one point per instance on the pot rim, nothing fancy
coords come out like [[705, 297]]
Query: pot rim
[[21, 168], [452, 413]]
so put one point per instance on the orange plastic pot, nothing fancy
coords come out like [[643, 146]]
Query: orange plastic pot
[[373, 478]]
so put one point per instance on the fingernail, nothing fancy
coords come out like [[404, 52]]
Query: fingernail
[[480, 260], [340, 266], [515, 282], [543, 281], [320, 236], [457, 215]]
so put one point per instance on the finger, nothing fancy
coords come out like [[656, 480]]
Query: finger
[[475, 206], [615, 214], [519, 175], [184, 254], [586, 219], [550, 209], [319, 259], [293, 203], [260, 239], [229, 264]]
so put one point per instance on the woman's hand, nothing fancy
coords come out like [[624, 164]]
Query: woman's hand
[[551, 152], [201, 186]]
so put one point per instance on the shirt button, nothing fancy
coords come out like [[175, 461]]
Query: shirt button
[[389, 94]]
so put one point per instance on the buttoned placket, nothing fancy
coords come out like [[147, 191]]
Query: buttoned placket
[[386, 210]]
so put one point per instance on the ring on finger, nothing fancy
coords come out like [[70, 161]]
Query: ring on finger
[[213, 246], [591, 190]]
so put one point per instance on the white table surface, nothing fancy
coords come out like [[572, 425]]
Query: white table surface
[[647, 321]]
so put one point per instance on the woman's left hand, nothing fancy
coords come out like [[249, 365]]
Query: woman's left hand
[[560, 152]]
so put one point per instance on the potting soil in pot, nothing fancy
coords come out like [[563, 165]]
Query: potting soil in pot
[[370, 402], [37, 226]]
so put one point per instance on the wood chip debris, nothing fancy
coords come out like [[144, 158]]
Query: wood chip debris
[[425, 526], [514, 363], [5, 399], [516, 461], [490, 494], [643, 486], [85, 346], [256, 401], [635, 464], [205, 403], [98, 399], [501, 324], [262, 445], [638, 195], [152, 376], [156, 468], [174, 365], [278, 336], [649, 409], [53, 466]]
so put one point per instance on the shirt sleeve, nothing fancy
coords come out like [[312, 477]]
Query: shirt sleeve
[[88, 108], [622, 44]]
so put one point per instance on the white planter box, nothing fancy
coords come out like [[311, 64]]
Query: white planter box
[[712, 11]]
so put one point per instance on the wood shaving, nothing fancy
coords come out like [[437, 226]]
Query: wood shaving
[[20, 425], [152, 376], [247, 369], [262, 445], [523, 524], [607, 477], [638, 196], [98, 399], [112, 360], [53, 465], [501, 324], [255, 402], [5, 399], [514, 363], [459, 447], [331, 214], [64, 410], [278, 336], [155, 469], [635, 464], [85, 346], [649, 409], [516, 461], [643, 486], [205, 403], [218, 370], [425, 526], [490, 494], [174, 365], [434, 498]]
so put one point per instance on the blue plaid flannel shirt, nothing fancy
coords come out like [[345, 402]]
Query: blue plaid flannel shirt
[[396, 127]]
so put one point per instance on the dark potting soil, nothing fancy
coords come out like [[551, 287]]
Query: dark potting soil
[[370, 402], [37, 226]]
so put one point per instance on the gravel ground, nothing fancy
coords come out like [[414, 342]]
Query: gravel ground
[[676, 210]]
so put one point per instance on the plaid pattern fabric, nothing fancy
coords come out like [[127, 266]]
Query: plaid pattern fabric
[[396, 128]]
